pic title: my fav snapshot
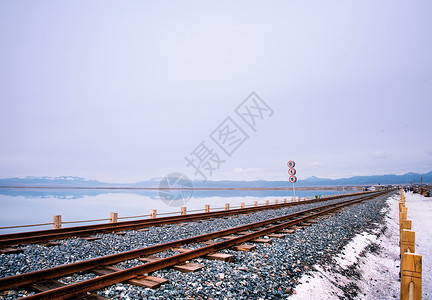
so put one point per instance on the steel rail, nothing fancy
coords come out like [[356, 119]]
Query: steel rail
[[80, 288], [52, 234], [157, 221], [59, 271]]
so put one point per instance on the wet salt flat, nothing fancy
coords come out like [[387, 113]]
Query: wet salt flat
[[32, 206]]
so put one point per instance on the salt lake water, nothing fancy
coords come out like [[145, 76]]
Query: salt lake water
[[32, 206]]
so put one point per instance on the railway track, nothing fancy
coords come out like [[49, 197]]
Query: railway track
[[41, 236], [234, 237]]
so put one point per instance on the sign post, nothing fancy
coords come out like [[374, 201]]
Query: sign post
[[292, 172]]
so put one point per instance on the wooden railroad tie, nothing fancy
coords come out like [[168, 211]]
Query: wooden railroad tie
[[209, 242], [119, 232], [258, 228], [212, 256], [221, 256], [188, 267], [296, 227], [262, 240], [91, 238], [305, 224], [50, 244], [150, 258], [331, 214], [245, 232], [244, 247], [182, 250], [105, 270], [276, 235], [229, 237], [47, 285], [10, 250], [287, 231], [151, 282]]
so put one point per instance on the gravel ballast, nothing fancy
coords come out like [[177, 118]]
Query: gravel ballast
[[269, 272]]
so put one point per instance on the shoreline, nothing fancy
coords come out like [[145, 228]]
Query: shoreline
[[342, 188]]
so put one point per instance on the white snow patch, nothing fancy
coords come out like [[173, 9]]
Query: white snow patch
[[379, 271], [353, 249]]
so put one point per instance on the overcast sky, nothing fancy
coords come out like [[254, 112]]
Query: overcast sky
[[124, 91]]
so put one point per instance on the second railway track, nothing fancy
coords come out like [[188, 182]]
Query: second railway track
[[62, 233], [232, 237]]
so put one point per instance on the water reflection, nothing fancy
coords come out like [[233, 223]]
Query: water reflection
[[30, 206]]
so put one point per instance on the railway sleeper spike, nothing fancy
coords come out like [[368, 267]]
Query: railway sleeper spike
[[22, 279]]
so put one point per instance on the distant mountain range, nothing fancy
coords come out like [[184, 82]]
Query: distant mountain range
[[71, 181]]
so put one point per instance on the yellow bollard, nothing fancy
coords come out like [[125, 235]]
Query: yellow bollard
[[407, 242], [207, 208], [405, 224], [227, 206], [57, 222], [113, 217], [402, 216], [411, 281]]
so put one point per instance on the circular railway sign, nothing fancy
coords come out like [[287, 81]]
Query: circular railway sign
[[292, 179], [292, 171], [291, 164]]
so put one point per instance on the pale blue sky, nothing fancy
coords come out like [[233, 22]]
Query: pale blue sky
[[125, 90]]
